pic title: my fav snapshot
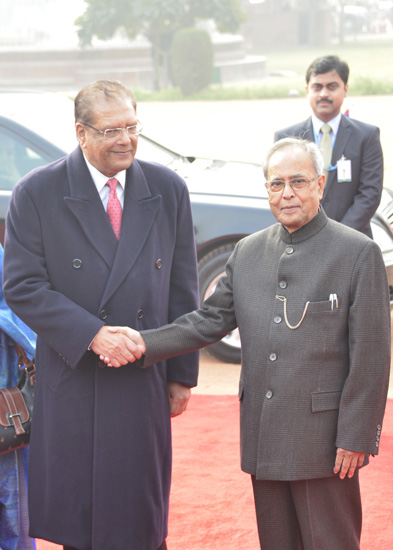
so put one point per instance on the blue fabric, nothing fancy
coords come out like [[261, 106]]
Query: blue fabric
[[16, 329], [13, 465]]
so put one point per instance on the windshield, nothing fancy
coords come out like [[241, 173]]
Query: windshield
[[49, 115]]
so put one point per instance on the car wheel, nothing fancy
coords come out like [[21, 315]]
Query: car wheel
[[211, 268]]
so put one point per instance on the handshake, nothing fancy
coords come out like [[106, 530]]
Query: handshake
[[117, 346]]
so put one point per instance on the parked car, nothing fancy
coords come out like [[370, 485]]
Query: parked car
[[229, 200]]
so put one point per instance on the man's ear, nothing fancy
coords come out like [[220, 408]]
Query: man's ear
[[321, 185], [80, 133]]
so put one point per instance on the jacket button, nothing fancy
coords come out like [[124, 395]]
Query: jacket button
[[103, 314], [140, 313], [277, 319], [159, 264], [273, 356], [77, 263], [269, 394], [290, 250], [283, 284]]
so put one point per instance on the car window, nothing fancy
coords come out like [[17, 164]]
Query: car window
[[16, 160]]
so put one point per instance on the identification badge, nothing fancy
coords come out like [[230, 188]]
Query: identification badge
[[344, 170]]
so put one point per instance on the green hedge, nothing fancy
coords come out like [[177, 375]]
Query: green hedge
[[191, 60]]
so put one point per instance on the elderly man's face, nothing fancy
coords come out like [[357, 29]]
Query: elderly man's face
[[294, 208], [109, 156]]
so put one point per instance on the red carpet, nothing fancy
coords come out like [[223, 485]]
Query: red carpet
[[211, 502]]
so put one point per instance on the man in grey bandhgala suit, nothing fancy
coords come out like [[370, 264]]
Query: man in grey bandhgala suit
[[310, 297]]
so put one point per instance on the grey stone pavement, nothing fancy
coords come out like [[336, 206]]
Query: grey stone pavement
[[243, 131]]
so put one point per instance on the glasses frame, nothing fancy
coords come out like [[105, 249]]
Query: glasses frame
[[104, 132], [270, 191]]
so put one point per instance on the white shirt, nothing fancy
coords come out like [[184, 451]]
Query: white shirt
[[317, 125], [100, 182]]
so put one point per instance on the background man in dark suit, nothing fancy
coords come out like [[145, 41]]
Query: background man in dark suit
[[101, 442], [310, 297], [353, 152]]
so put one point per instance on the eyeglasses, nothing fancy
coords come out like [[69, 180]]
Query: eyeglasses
[[113, 133], [297, 184]]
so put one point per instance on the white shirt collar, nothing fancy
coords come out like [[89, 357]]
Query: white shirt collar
[[100, 179], [334, 124]]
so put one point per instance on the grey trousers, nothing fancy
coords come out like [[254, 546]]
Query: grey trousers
[[314, 514]]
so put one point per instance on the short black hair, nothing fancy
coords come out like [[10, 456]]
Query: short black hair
[[328, 63]]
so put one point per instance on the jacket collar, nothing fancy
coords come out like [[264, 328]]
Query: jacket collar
[[307, 231], [343, 134]]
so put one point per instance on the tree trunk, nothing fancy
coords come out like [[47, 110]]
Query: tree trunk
[[341, 28], [156, 64]]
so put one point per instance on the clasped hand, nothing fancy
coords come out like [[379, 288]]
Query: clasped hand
[[117, 346]]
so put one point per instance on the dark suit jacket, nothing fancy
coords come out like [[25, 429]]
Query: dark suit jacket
[[351, 203], [101, 443], [303, 392]]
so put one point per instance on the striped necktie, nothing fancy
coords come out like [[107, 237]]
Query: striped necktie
[[326, 146]]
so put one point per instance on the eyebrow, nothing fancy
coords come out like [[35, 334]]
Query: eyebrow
[[290, 177], [327, 84]]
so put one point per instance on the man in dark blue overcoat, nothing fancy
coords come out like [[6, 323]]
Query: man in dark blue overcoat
[[100, 457]]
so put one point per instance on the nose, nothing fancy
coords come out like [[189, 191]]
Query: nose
[[124, 136], [324, 92], [288, 192]]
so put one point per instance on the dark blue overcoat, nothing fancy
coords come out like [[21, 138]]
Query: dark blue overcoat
[[100, 456]]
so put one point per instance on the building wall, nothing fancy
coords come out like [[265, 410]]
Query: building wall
[[67, 70]]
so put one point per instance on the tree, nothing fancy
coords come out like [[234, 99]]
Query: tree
[[157, 20]]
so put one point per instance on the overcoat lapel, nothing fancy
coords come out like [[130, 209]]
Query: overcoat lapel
[[139, 213], [86, 205]]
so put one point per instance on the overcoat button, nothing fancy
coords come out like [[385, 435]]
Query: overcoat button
[[103, 314], [277, 319], [77, 263], [283, 284], [140, 313], [290, 250], [269, 394], [273, 356], [159, 264]]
